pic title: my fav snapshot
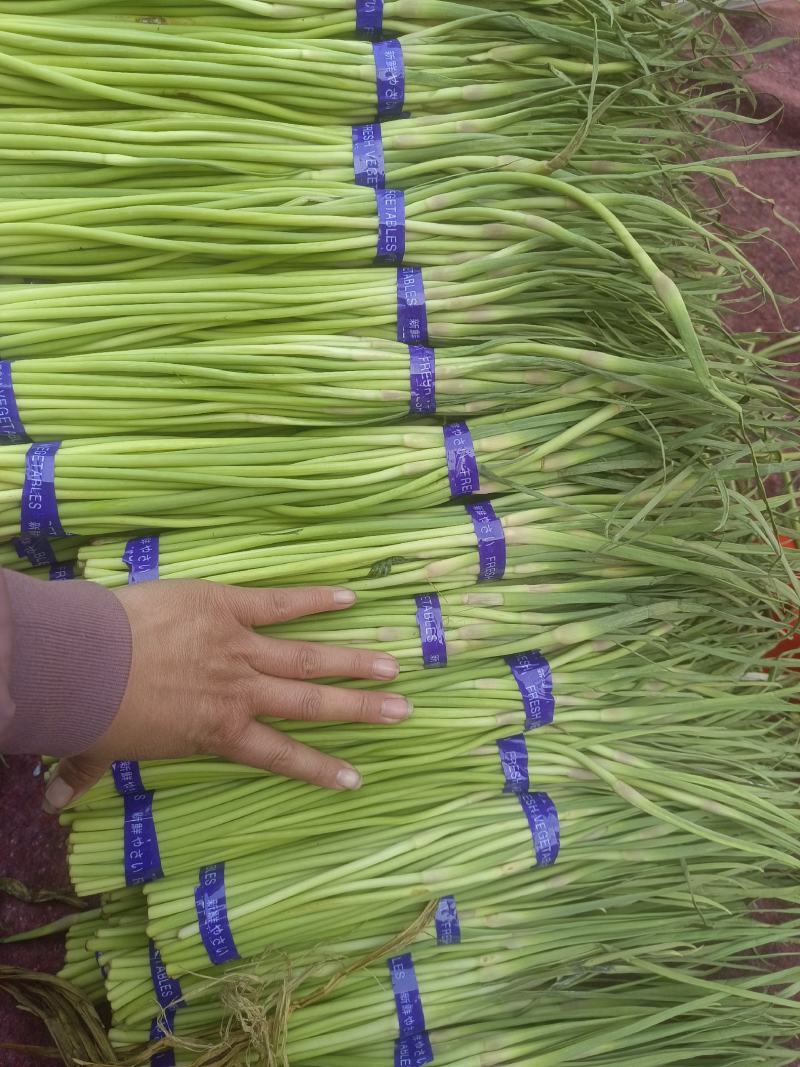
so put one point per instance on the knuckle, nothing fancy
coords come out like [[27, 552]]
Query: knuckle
[[281, 604], [242, 650], [79, 773], [224, 737], [206, 617], [306, 661], [209, 594], [310, 703], [241, 693], [319, 598], [280, 755], [366, 705], [218, 604], [224, 727], [360, 663]]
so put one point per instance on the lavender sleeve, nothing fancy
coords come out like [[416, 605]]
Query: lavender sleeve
[[65, 652]]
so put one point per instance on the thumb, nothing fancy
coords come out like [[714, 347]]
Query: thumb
[[71, 778]]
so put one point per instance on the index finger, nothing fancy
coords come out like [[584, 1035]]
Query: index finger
[[262, 607]]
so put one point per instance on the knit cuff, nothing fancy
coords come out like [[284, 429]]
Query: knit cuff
[[70, 660]]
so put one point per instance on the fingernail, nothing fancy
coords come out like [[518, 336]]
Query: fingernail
[[394, 709], [348, 778], [344, 596], [385, 667], [57, 795]]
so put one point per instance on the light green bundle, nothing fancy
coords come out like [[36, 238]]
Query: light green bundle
[[235, 20], [548, 535], [221, 820], [608, 1029], [416, 551], [115, 484], [302, 16], [283, 224], [57, 61], [75, 233], [301, 381], [479, 300], [477, 981], [590, 928], [681, 1011], [468, 840], [646, 1023], [57, 148], [462, 986], [60, 151]]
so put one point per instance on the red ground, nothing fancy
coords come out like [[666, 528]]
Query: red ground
[[34, 845]]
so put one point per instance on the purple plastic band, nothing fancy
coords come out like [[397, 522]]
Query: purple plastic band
[[369, 19], [412, 316], [168, 990], [140, 842], [410, 1017], [127, 777], [422, 380], [368, 163], [62, 572], [448, 928], [540, 811], [161, 1026], [12, 432], [514, 761], [38, 550], [39, 512], [413, 1051], [141, 555], [390, 77], [431, 630], [391, 205], [100, 966], [535, 681], [462, 467], [212, 914], [491, 541]]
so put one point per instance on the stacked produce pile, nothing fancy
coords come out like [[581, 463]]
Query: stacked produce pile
[[420, 298]]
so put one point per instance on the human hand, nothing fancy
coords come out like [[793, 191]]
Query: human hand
[[200, 678]]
